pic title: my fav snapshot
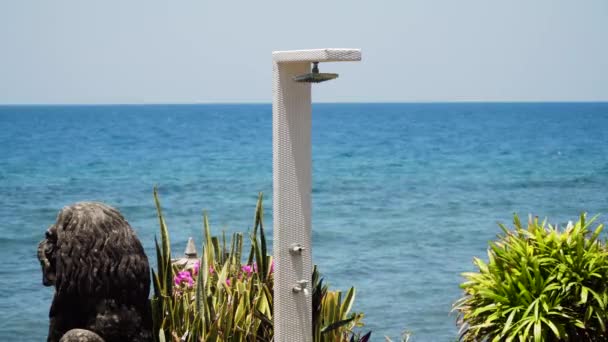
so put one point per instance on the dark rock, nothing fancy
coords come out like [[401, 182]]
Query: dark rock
[[100, 273]]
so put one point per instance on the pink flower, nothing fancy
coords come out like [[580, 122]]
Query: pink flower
[[183, 277], [211, 270], [247, 269], [196, 267], [228, 281]]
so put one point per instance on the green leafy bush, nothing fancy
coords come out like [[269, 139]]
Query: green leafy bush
[[227, 296], [541, 283]]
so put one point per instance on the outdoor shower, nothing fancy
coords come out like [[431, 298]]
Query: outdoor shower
[[291, 131]]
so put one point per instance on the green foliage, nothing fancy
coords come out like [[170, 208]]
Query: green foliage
[[540, 284], [331, 316], [224, 299]]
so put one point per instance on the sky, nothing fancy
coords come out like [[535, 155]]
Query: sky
[[198, 51]]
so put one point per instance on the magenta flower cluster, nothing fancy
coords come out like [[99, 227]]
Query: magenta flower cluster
[[249, 269], [185, 277]]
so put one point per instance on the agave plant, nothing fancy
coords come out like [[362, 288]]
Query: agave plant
[[331, 316], [541, 283], [224, 298]]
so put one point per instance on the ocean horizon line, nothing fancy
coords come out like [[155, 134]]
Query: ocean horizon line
[[314, 103]]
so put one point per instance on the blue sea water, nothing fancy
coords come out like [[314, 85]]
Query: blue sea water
[[404, 195]]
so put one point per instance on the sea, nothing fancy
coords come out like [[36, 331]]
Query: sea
[[404, 195]]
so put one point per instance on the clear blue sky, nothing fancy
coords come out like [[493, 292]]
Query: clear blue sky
[[151, 51]]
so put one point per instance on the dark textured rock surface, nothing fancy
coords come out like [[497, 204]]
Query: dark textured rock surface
[[100, 273]]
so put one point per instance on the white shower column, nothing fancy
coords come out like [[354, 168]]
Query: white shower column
[[291, 161]]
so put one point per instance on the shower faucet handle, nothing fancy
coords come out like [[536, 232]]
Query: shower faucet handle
[[296, 248], [301, 286]]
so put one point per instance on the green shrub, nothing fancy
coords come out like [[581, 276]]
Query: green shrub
[[227, 296], [540, 283]]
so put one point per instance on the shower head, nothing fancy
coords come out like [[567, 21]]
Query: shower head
[[315, 76]]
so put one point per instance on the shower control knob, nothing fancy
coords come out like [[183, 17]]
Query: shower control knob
[[296, 248], [302, 286]]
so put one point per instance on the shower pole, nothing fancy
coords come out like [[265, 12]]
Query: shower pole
[[292, 181]]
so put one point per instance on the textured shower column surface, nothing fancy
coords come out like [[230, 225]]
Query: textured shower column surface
[[291, 157]]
